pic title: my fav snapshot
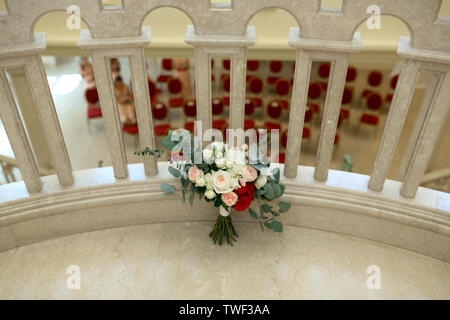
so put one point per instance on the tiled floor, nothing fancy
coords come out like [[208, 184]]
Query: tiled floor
[[87, 147]]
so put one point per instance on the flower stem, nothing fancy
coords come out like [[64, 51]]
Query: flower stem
[[223, 228]]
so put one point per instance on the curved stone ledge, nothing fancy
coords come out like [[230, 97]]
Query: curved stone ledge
[[341, 205]]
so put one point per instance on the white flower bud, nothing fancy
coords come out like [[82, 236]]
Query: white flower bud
[[207, 156], [210, 194], [200, 182], [261, 181]]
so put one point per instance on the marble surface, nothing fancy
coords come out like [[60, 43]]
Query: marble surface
[[177, 261]]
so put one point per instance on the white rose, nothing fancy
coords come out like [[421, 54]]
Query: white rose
[[219, 155], [220, 162], [200, 182], [221, 181], [261, 181], [207, 155], [210, 194], [229, 164]]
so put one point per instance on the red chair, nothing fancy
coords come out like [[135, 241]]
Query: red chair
[[305, 135], [94, 113], [226, 100], [189, 126], [369, 119], [249, 124], [308, 114], [258, 102], [374, 101], [272, 79], [91, 95], [217, 106], [190, 108], [351, 74], [345, 113], [274, 109], [174, 87], [132, 130], [226, 83], [226, 64], [161, 130], [255, 85], [314, 91], [284, 103], [281, 157], [394, 81], [282, 87], [152, 90], [336, 139], [389, 97], [347, 95], [159, 110], [93, 108], [275, 66], [252, 65], [323, 85], [271, 125], [375, 78], [249, 107], [314, 107], [220, 124], [324, 70], [167, 66]]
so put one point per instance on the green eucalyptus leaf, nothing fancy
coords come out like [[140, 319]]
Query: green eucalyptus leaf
[[276, 174], [264, 209], [183, 196], [282, 187], [276, 226], [174, 172], [167, 188], [284, 206], [253, 213], [274, 213], [191, 198], [276, 190], [269, 193], [167, 142]]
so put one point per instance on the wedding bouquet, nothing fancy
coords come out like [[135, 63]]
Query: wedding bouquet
[[224, 176]]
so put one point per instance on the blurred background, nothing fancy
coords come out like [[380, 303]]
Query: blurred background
[[371, 81]]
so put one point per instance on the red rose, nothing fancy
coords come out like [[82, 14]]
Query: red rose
[[248, 189], [241, 191], [243, 203]]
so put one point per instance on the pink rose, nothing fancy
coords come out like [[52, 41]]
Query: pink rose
[[195, 173], [249, 174], [229, 198]]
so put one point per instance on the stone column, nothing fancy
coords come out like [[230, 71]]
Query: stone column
[[308, 50], [204, 48], [101, 51]]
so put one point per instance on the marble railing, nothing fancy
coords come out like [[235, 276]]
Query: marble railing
[[322, 34]]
